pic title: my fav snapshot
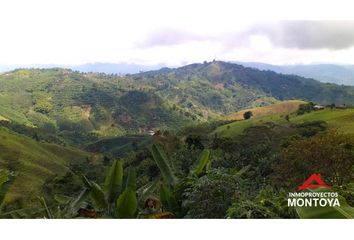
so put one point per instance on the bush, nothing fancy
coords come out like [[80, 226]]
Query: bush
[[247, 115], [267, 204], [305, 108], [330, 154], [211, 195]]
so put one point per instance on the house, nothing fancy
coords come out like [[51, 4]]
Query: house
[[319, 107]]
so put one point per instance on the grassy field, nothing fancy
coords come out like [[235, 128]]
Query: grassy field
[[271, 113], [274, 109], [33, 163], [340, 119]]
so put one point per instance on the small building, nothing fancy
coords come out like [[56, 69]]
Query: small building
[[319, 107]]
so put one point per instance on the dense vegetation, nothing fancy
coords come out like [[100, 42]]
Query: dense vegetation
[[79, 108], [172, 143]]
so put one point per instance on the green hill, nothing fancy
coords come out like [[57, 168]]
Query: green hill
[[33, 164], [223, 88], [289, 106], [81, 108], [340, 119]]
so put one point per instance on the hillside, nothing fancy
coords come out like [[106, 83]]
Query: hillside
[[72, 108], [339, 119], [119, 146], [224, 88], [286, 107], [33, 164], [48, 115], [80, 108]]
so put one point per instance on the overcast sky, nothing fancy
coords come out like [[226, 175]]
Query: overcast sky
[[173, 32]]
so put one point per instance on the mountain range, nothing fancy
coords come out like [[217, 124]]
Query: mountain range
[[75, 108], [328, 73], [57, 124]]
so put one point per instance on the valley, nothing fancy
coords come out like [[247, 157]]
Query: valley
[[176, 136]]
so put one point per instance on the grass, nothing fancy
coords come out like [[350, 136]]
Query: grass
[[33, 163], [340, 119], [277, 108], [271, 113]]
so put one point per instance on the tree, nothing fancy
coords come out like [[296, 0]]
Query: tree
[[305, 108], [330, 154], [212, 194], [247, 115]]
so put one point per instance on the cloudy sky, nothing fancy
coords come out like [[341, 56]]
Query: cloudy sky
[[174, 32]]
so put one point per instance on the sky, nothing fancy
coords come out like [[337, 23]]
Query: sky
[[175, 32]]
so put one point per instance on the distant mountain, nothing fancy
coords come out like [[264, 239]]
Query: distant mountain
[[78, 108], [328, 73], [331, 73], [66, 106], [108, 68], [223, 88]]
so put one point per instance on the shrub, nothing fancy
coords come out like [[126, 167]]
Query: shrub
[[211, 195], [247, 115]]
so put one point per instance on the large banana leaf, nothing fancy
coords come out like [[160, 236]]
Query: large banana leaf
[[114, 181], [344, 211], [48, 213], [75, 204], [161, 161], [130, 181], [168, 199], [98, 196], [203, 161], [126, 205], [145, 191]]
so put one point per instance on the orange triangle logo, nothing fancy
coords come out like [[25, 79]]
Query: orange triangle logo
[[309, 182]]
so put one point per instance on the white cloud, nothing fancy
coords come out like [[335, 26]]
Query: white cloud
[[150, 32]]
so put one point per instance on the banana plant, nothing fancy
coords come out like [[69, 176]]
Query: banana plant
[[118, 198], [161, 160], [166, 170], [168, 187]]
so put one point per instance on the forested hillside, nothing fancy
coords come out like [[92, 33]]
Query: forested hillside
[[210, 140]]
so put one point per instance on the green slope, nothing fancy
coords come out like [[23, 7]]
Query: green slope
[[84, 107], [119, 146], [67, 102], [272, 113], [33, 163], [340, 119], [286, 107], [224, 88]]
